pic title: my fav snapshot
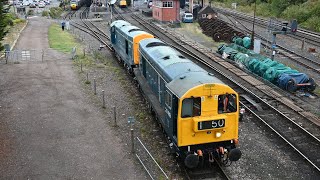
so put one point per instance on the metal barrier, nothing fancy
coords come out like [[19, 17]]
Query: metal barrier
[[148, 162], [32, 55]]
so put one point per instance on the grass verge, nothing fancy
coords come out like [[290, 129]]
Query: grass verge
[[61, 40], [14, 32]]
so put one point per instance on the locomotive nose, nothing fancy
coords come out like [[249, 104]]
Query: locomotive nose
[[191, 161], [234, 155]]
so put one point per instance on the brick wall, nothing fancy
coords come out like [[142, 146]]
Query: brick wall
[[166, 14]]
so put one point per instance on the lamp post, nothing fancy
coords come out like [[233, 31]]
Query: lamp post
[[254, 20]]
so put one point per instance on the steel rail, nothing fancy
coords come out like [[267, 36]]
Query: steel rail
[[315, 40], [247, 30], [239, 85]]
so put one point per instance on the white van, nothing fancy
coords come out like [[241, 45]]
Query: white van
[[187, 18]]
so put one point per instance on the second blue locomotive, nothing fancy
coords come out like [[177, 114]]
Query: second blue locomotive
[[197, 111]]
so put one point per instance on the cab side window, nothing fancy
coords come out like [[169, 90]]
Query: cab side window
[[227, 103], [191, 107]]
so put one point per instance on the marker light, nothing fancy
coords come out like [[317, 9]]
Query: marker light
[[218, 134]]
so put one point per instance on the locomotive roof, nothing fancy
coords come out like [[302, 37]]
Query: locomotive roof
[[132, 31], [180, 72], [186, 81], [120, 23]]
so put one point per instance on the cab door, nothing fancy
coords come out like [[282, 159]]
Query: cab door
[[161, 90]]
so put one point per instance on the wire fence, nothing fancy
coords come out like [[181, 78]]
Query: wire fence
[[148, 162]]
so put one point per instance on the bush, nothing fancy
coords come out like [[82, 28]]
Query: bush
[[316, 10], [9, 18], [45, 13], [17, 21], [312, 23], [30, 12], [263, 9], [297, 12], [55, 12]]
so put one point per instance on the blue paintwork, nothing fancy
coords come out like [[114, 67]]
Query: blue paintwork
[[169, 73], [123, 33], [181, 74], [117, 24]]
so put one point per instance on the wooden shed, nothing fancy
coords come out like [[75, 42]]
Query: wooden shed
[[166, 10], [206, 12]]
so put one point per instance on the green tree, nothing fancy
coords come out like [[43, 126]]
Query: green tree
[[3, 21]]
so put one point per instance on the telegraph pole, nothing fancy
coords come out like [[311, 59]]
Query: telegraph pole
[[254, 20]]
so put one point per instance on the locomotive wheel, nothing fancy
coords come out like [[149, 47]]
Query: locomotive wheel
[[313, 85], [292, 85], [234, 155], [191, 161]]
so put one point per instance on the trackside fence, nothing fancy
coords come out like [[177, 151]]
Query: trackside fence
[[148, 162]]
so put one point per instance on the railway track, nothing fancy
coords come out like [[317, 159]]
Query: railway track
[[283, 51], [215, 170], [308, 62], [292, 126], [89, 28], [302, 34], [291, 123]]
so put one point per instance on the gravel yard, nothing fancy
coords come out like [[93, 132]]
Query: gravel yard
[[263, 157], [79, 138]]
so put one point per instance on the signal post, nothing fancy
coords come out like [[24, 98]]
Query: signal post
[[285, 30]]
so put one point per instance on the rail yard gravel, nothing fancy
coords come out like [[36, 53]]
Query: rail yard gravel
[[263, 157]]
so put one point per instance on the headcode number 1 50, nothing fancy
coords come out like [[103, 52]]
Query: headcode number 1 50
[[217, 123]]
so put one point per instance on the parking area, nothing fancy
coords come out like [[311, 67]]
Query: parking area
[[22, 7]]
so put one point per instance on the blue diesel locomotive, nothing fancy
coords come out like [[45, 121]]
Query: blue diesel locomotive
[[197, 111]]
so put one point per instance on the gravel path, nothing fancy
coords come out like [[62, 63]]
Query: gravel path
[[49, 127]]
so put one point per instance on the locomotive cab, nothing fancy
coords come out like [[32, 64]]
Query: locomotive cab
[[208, 123]]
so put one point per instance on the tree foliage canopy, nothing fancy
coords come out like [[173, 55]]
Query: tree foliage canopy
[[3, 21], [306, 12]]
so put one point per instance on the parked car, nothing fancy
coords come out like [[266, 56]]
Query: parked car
[[187, 18], [26, 3], [149, 4], [41, 4], [10, 2], [15, 2], [33, 5], [19, 4]]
